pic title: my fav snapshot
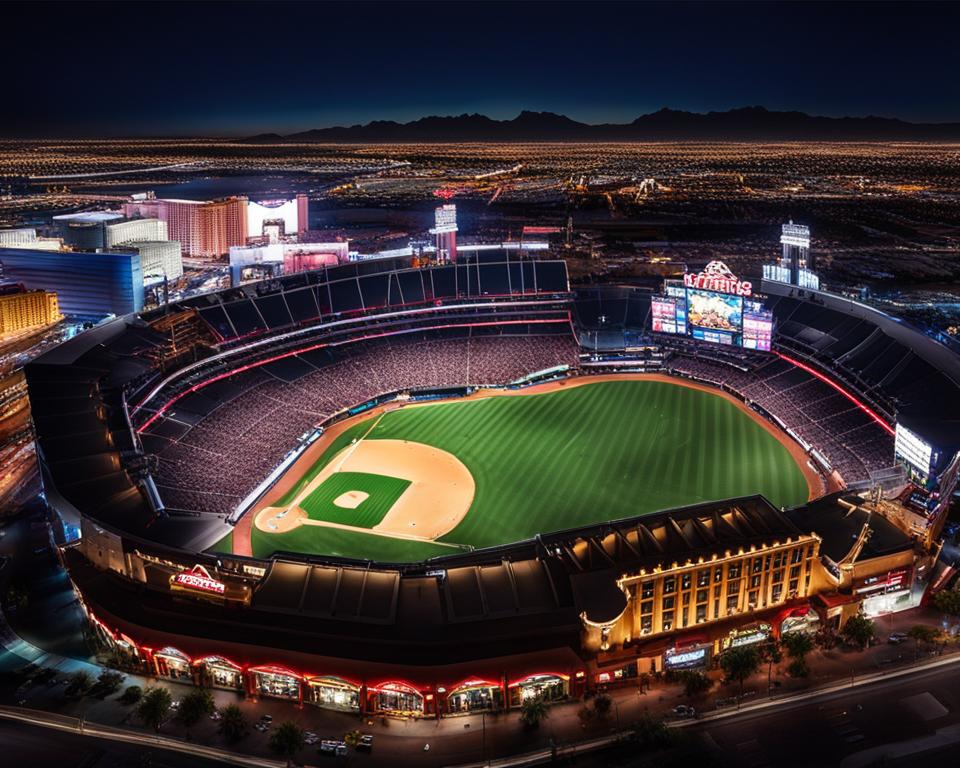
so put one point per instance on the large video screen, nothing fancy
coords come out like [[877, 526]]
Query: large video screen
[[757, 329], [714, 311], [668, 315]]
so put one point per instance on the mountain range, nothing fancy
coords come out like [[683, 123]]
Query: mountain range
[[743, 124]]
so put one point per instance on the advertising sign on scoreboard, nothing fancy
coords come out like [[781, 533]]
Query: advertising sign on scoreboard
[[757, 329], [915, 451], [667, 315]]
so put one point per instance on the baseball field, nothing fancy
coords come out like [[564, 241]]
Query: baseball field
[[414, 481]]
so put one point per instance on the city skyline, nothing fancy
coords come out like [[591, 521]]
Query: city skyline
[[323, 65]]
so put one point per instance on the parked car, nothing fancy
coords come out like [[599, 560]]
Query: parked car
[[682, 710], [266, 718], [896, 638], [366, 743]]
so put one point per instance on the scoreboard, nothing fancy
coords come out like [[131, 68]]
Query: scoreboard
[[713, 306]]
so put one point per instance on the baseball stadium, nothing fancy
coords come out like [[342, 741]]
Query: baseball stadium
[[451, 488]]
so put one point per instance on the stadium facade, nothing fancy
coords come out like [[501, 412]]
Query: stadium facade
[[551, 616]]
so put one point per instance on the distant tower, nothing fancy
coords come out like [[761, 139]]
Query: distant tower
[[795, 239], [445, 230], [303, 214]]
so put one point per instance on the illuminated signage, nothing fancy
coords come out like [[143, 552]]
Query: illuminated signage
[[741, 637], [716, 276], [678, 659], [795, 234], [198, 579], [912, 449], [445, 219]]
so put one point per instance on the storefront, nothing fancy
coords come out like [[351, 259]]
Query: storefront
[[802, 619], [887, 593], [614, 677], [218, 672], [333, 693], [749, 635], [173, 664], [276, 682], [397, 699], [474, 696], [549, 687]]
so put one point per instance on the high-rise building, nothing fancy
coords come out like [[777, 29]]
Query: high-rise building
[[278, 218], [204, 230], [21, 309], [159, 259], [26, 237], [88, 284], [445, 230], [90, 230]]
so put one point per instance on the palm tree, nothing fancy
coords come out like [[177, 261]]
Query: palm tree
[[233, 723], [195, 705], [287, 740], [739, 663], [858, 631], [533, 712], [154, 707]]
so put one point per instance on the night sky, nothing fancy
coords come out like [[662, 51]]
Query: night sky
[[231, 68]]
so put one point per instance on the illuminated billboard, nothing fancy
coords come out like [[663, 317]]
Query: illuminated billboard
[[714, 311], [915, 451], [757, 329], [668, 314]]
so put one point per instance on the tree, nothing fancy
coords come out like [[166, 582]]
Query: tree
[[533, 712], [154, 707], [131, 694], [195, 705], [695, 683], [602, 704], [769, 651], [858, 631], [586, 715], [797, 644], [648, 731], [739, 663], [81, 681], [922, 633], [352, 738], [109, 681], [798, 668], [287, 740], [233, 723], [947, 601]]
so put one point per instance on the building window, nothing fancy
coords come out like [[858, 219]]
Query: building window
[[717, 575], [732, 601], [752, 598], [669, 585], [733, 570], [668, 621], [646, 625], [755, 580], [701, 613], [646, 590], [777, 592], [686, 598], [778, 575], [795, 572], [716, 609], [716, 590], [668, 603], [684, 616], [685, 580], [646, 606], [794, 584], [796, 555], [733, 586], [757, 564], [702, 595], [703, 577]]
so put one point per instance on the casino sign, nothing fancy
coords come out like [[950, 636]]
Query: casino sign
[[716, 276], [197, 581]]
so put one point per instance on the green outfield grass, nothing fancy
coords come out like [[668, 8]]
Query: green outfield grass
[[382, 492], [573, 457]]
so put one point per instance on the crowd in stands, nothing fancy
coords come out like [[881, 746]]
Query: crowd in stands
[[234, 444], [853, 443]]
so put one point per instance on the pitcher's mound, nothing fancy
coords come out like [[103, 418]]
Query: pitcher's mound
[[351, 499]]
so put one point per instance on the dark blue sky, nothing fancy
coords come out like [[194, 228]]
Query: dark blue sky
[[232, 68]]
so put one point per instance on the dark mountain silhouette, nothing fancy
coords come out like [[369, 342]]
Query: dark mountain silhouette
[[743, 124]]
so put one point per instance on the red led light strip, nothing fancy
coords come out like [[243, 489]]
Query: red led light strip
[[258, 363], [872, 414]]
